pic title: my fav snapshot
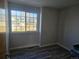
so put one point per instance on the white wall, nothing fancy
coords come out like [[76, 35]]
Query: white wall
[[49, 32], [21, 40], [24, 39], [49, 26], [69, 27], [67, 33]]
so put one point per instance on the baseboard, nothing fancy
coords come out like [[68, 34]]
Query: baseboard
[[40, 46], [63, 46], [48, 45], [33, 45]]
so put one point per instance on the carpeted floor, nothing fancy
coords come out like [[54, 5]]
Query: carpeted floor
[[51, 52]]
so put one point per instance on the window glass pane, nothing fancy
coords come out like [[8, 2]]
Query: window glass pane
[[35, 20], [23, 28], [2, 29], [31, 14], [2, 20], [31, 21], [13, 18], [35, 28], [23, 13], [13, 12], [19, 13], [35, 15], [27, 20], [23, 19], [27, 27], [13, 28], [3, 11], [18, 21], [27, 14]]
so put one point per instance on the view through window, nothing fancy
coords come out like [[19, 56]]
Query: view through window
[[18, 21], [2, 20], [23, 21]]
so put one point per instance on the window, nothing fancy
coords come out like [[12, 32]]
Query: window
[[2, 20], [31, 21], [18, 21], [23, 21]]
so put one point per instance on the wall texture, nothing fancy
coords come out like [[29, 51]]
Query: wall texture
[[49, 26], [69, 27]]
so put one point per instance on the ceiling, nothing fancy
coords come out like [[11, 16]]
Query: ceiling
[[47, 3]]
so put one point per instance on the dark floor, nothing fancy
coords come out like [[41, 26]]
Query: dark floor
[[51, 52]]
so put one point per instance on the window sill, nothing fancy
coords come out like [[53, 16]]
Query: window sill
[[26, 32]]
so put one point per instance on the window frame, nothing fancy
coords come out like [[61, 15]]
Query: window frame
[[16, 22], [37, 27]]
